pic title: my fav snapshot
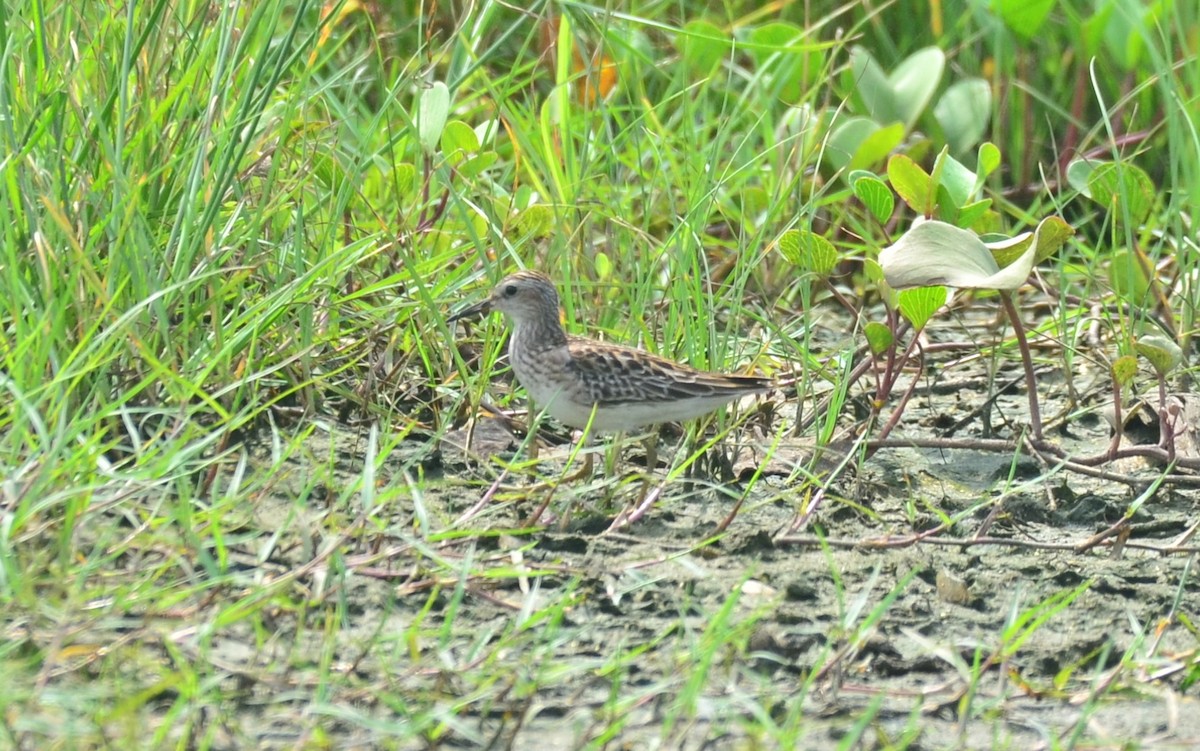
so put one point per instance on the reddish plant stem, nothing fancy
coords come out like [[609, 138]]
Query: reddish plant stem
[[898, 411], [1118, 421], [1166, 422], [1035, 412]]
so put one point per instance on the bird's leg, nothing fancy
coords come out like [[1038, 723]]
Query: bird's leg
[[646, 497], [688, 443], [536, 518], [584, 472], [650, 446], [612, 457], [532, 423]]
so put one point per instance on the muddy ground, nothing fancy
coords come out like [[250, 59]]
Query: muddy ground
[[569, 629]]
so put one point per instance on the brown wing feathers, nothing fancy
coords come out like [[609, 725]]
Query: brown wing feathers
[[618, 375]]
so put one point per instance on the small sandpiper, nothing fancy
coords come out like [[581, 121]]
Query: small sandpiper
[[571, 376]]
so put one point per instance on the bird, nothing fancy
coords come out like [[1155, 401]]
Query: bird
[[584, 383]]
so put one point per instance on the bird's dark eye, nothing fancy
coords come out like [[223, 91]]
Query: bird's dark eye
[[510, 290]]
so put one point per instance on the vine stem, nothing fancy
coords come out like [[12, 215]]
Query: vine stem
[[1035, 412]]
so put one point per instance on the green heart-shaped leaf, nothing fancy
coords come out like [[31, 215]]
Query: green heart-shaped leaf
[[911, 182], [458, 141], [920, 303], [875, 195], [1163, 354], [1124, 189], [879, 337], [807, 250]]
